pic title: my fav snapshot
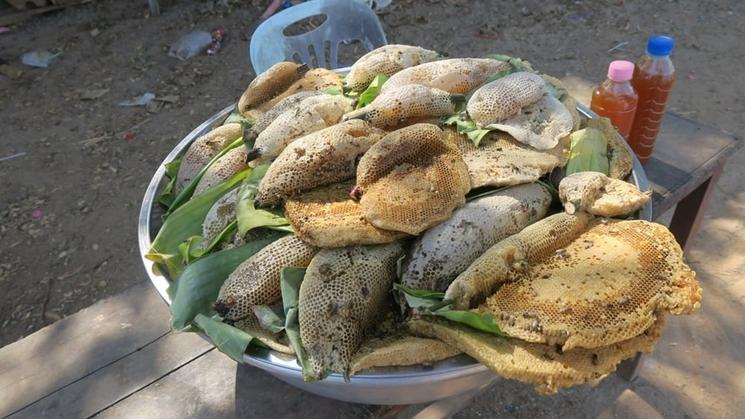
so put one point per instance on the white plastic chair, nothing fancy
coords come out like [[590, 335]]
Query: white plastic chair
[[346, 21]]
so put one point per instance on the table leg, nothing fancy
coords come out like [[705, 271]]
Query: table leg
[[629, 368], [690, 210]]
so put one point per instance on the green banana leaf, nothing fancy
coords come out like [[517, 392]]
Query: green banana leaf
[[195, 248], [250, 217], [167, 195], [372, 91], [464, 125], [517, 64], [588, 151], [236, 117], [557, 92], [479, 321], [229, 340], [198, 286], [418, 298], [432, 303], [185, 222], [188, 191], [268, 319], [334, 91], [290, 280]]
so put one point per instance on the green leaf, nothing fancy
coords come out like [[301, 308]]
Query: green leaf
[[185, 222], [166, 196], [423, 300], [198, 286], [420, 293], [228, 339], [484, 322], [551, 189], [465, 125], [372, 91], [188, 191], [477, 135], [268, 319], [194, 247], [236, 117], [290, 280], [334, 91], [554, 91], [588, 151], [433, 303], [518, 64], [250, 217]]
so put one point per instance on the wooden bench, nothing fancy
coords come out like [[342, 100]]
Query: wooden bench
[[118, 357]]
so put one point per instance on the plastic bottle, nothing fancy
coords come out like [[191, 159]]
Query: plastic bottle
[[653, 80], [615, 98]]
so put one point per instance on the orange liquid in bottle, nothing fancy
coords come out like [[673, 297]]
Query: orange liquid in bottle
[[653, 80], [616, 101]]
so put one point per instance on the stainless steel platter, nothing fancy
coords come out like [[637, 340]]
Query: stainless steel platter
[[389, 386]]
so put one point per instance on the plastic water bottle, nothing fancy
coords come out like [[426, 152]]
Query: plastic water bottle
[[653, 80], [615, 98]]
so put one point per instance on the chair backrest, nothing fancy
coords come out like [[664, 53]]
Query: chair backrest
[[346, 20]]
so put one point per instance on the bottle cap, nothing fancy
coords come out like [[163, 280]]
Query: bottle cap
[[660, 45], [620, 70]]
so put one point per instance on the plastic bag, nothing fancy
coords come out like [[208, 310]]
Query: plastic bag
[[190, 45]]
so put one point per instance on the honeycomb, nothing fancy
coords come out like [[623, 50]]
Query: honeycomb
[[328, 217], [504, 97], [399, 106], [387, 60], [272, 114], [447, 249], [607, 285], [310, 115], [315, 80], [507, 259], [456, 75], [544, 366], [219, 216], [343, 293], [270, 83], [223, 169], [540, 125], [411, 180], [398, 351], [499, 160], [597, 194], [256, 280], [203, 149], [321, 158]]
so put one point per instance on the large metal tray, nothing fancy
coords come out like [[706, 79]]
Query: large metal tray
[[389, 386]]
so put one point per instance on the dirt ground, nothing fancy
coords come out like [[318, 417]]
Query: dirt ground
[[68, 206]]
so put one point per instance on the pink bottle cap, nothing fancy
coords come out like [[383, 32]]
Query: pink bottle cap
[[621, 70]]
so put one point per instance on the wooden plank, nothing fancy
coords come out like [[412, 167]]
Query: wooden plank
[[18, 17], [106, 386], [81, 344], [215, 386]]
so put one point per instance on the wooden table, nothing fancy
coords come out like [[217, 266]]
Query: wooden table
[[118, 358]]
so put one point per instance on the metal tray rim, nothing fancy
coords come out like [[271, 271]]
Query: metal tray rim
[[458, 367]]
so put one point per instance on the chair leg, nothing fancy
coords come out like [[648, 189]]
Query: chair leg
[[154, 7]]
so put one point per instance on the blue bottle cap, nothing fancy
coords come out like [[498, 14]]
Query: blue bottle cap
[[660, 45]]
